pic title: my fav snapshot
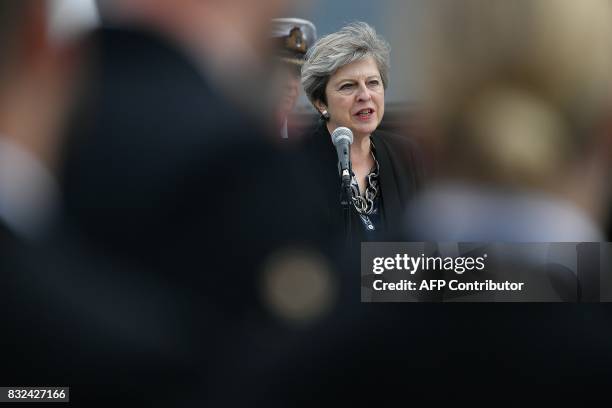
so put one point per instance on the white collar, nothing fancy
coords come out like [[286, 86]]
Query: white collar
[[29, 193], [461, 212]]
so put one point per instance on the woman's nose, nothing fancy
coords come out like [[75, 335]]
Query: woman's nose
[[363, 93]]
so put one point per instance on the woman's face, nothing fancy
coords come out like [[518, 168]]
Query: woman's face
[[356, 97]]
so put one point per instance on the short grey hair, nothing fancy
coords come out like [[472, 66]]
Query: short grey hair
[[330, 53]]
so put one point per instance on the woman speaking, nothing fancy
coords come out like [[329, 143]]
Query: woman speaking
[[345, 76]]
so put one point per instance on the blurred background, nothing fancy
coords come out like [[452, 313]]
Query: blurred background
[[160, 245]]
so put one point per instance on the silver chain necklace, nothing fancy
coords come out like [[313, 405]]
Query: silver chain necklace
[[365, 204]]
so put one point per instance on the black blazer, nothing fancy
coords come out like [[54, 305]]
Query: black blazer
[[401, 176]]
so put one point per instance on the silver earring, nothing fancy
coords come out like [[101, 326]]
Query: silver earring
[[325, 114]]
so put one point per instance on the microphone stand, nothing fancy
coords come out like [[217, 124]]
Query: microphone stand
[[342, 138], [345, 202]]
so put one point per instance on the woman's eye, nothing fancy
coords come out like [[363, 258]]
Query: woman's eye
[[346, 87], [374, 82]]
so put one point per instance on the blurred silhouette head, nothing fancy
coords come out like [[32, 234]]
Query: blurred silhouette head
[[517, 94], [35, 74], [228, 39], [227, 30]]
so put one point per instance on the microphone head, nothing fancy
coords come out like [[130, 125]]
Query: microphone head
[[342, 134]]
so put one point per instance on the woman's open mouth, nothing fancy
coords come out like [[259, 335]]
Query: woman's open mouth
[[365, 114]]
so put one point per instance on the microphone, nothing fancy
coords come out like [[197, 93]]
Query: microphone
[[342, 138]]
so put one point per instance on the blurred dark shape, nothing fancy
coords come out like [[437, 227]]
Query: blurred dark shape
[[72, 318], [564, 282], [68, 317], [166, 171]]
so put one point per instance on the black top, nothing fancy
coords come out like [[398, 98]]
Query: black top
[[400, 177]]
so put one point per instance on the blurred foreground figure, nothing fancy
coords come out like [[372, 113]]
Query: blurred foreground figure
[[517, 101], [518, 106], [169, 152], [34, 91], [69, 316], [169, 169]]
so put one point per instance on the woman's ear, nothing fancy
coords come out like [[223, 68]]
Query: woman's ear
[[320, 106], [322, 109]]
